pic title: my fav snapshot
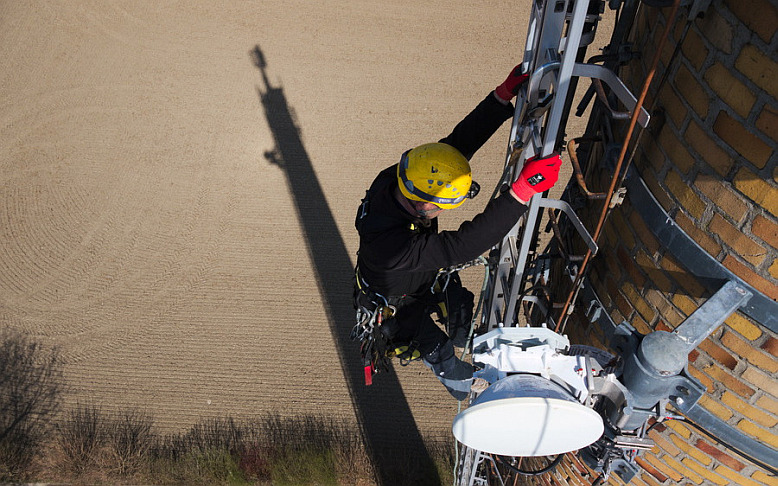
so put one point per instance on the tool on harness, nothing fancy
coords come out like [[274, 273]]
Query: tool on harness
[[372, 309]]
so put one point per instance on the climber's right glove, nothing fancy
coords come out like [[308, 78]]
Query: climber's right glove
[[538, 175]]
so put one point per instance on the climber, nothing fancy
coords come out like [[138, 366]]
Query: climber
[[401, 250]]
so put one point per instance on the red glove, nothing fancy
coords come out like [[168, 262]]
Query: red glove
[[538, 175], [510, 87]]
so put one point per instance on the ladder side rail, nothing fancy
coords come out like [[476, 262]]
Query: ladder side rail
[[543, 37], [551, 130], [492, 317], [571, 43]]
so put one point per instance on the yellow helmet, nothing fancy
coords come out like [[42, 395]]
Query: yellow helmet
[[436, 173]]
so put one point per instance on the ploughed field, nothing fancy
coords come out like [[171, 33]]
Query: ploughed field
[[179, 184]]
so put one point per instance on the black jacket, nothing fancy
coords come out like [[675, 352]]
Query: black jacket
[[400, 255]]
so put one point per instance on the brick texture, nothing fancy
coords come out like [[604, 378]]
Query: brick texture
[[683, 192], [724, 379], [712, 165], [748, 351], [734, 238], [707, 150], [771, 346], [759, 68], [694, 49], [702, 238], [733, 476], [744, 327], [762, 381], [773, 270], [692, 91], [763, 478], [731, 90], [766, 230], [742, 140], [717, 31], [768, 403], [757, 281], [767, 122], [760, 16], [720, 194], [675, 148], [746, 409], [759, 190], [719, 455], [760, 433]]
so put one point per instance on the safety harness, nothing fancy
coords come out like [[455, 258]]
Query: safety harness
[[374, 309]]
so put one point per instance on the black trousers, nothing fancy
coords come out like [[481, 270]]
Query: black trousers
[[412, 325]]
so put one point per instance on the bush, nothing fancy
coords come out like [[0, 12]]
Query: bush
[[256, 462], [80, 439], [223, 434], [129, 440], [93, 446], [208, 453], [315, 450], [202, 466], [442, 453]]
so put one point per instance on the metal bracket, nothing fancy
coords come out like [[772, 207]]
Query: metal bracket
[[712, 314], [718, 428], [633, 442], [621, 91], [618, 197], [698, 8], [694, 258], [576, 222], [686, 392]]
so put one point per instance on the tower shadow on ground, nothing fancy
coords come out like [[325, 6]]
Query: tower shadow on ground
[[391, 436]]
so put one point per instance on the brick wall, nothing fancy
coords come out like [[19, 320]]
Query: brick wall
[[710, 160]]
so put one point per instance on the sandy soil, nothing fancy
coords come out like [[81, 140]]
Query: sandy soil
[[178, 217]]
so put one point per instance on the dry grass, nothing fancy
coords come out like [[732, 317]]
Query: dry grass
[[88, 445], [94, 447]]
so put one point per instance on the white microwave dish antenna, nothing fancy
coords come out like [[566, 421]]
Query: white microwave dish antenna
[[527, 415]]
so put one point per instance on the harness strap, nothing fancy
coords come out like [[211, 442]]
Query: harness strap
[[406, 354]]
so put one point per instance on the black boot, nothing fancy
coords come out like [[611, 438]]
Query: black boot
[[456, 375]]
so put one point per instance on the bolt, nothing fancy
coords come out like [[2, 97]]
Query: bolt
[[679, 400]]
